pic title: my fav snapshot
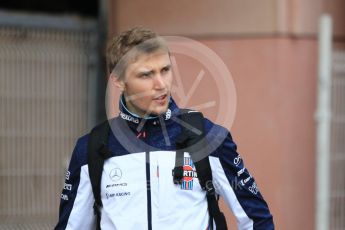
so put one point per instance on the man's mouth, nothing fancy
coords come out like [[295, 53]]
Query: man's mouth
[[159, 98]]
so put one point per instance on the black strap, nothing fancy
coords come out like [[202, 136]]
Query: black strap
[[192, 139], [204, 172], [178, 170], [97, 153]]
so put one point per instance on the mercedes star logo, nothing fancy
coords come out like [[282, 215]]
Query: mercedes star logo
[[115, 174]]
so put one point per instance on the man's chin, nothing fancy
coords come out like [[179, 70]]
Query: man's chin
[[159, 111]]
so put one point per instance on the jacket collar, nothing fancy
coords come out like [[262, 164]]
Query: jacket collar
[[134, 120]]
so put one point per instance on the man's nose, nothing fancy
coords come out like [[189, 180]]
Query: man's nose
[[159, 82]]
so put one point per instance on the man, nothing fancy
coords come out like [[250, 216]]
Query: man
[[137, 186]]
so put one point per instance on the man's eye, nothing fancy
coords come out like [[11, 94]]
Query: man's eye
[[145, 75], [165, 69]]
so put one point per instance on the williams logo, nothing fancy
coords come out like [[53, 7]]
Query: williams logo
[[188, 174]]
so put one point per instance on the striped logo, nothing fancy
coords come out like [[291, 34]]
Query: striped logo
[[188, 174]]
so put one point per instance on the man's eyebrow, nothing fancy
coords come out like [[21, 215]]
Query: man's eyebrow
[[166, 66], [140, 72]]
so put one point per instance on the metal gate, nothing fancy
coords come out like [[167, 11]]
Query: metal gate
[[47, 66], [337, 144]]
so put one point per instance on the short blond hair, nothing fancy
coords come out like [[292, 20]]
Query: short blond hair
[[138, 39]]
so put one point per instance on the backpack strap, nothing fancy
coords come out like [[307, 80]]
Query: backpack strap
[[193, 140], [97, 153], [204, 172], [178, 170]]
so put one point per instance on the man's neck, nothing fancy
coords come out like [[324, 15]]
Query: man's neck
[[136, 112]]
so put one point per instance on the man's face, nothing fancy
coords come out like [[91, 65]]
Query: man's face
[[147, 84]]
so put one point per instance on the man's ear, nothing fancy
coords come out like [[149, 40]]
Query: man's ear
[[120, 84]]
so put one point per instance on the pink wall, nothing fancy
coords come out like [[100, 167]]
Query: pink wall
[[195, 17], [274, 125], [223, 17]]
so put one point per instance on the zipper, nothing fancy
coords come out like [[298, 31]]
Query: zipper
[[148, 189]]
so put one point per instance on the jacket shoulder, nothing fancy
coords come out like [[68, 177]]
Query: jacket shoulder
[[80, 150], [212, 128], [218, 138]]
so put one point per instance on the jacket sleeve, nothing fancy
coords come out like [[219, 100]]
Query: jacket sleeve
[[76, 207], [238, 188]]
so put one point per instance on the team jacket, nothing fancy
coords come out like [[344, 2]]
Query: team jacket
[[137, 188]]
